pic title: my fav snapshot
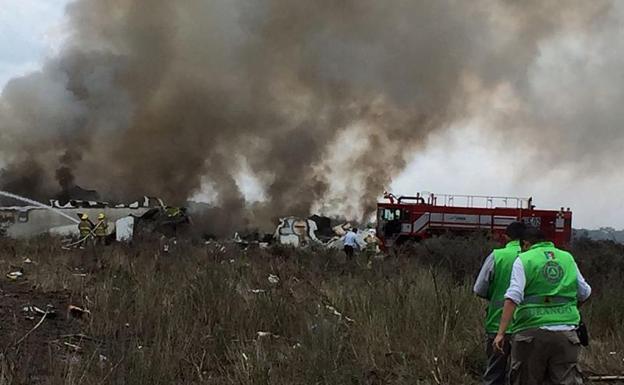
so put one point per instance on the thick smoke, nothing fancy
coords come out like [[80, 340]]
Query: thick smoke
[[156, 97]]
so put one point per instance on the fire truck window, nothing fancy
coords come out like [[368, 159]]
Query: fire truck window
[[389, 215]]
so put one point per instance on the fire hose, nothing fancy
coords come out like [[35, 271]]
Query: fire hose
[[91, 233]]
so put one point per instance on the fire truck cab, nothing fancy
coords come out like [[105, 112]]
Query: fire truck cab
[[412, 218]]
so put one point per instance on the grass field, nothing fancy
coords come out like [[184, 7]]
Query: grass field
[[207, 314]]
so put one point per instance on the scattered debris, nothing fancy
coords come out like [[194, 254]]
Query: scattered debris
[[28, 260], [257, 291], [32, 330], [342, 229], [338, 314], [15, 275], [74, 347], [317, 230], [296, 232], [50, 312], [78, 312], [273, 279]]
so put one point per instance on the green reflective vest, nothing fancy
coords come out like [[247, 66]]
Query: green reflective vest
[[550, 294], [503, 263]]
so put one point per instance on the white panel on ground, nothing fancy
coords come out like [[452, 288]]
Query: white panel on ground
[[124, 229]]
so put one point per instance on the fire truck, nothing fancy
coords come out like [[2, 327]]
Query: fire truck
[[412, 218]]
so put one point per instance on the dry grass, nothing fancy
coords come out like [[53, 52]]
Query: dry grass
[[202, 315]]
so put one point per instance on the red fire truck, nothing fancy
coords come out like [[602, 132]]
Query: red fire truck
[[412, 218]]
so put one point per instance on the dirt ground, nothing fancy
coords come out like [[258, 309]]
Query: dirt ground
[[56, 337]]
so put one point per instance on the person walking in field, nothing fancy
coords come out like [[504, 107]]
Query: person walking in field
[[542, 311], [491, 284], [350, 243]]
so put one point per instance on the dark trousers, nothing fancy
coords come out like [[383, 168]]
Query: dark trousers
[[496, 372], [349, 251], [545, 357]]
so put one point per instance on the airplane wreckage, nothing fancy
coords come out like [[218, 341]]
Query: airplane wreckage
[[61, 218], [125, 221]]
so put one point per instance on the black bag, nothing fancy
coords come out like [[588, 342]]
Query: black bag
[[583, 334]]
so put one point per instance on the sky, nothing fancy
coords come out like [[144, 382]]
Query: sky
[[467, 159], [30, 31]]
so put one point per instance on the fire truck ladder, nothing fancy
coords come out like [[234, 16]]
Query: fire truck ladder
[[479, 201]]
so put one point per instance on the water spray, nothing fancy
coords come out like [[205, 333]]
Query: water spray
[[38, 204]]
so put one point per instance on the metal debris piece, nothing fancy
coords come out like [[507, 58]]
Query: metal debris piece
[[78, 312], [32, 310], [15, 275], [337, 313], [72, 346], [273, 279]]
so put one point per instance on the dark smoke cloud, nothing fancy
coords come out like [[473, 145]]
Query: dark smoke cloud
[[153, 97]]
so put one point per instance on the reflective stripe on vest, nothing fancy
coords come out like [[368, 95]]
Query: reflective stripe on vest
[[84, 227], [535, 299]]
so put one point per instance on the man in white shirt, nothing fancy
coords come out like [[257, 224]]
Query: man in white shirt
[[350, 243], [491, 284], [545, 291]]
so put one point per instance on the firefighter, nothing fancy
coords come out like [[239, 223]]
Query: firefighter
[[541, 303], [85, 226], [491, 284], [101, 229], [173, 212]]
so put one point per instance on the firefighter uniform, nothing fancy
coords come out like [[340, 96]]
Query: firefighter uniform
[[84, 227], [101, 229], [173, 212], [545, 345]]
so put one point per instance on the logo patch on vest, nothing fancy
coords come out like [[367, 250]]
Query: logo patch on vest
[[552, 272], [549, 255]]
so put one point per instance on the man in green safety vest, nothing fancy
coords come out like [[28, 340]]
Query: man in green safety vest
[[491, 284], [541, 310]]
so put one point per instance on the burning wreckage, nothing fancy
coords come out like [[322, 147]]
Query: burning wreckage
[[125, 221], [151, 215], [318, 231]]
